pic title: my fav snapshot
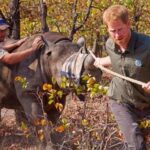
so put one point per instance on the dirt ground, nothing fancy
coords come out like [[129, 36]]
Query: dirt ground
[[91, 127], [11, 137], [85, 119]]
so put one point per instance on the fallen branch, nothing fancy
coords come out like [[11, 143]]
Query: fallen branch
[[117, 74], [108, 138], [116, 144]]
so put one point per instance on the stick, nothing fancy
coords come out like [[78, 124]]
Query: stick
[[117, 74]]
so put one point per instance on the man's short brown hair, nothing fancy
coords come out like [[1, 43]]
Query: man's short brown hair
[[116, 12]]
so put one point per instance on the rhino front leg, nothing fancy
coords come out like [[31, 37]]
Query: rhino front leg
[[34, 113], [31, 106]]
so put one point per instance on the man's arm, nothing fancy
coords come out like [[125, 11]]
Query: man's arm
[[105, 61], [12, 58], [12, 46]]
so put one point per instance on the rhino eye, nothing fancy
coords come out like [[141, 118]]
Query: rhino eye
[[48, 53]]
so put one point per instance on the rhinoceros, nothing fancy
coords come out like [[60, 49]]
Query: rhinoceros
[[39, 68]]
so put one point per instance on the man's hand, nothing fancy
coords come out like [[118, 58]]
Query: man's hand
[[104, 61], [146, 87], [97, 62], [37, 43]]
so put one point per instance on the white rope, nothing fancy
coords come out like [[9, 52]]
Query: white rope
[[117, 74]]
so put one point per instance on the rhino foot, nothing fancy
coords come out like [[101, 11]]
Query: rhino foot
[[49, 147], [44, 146]]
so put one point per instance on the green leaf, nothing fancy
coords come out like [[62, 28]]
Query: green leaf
[[54, 92], [24, 126], [92, 94], [85, 122], [95, 90], [96, 85], [51, 96], [53, 81], [64, 79], [50, 101], [79, 90], [63, 85], [91, 80], [85, 77], [128, 2], [60, 94], [64, 120]]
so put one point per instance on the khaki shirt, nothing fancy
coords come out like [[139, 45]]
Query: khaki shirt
[[134, 63]]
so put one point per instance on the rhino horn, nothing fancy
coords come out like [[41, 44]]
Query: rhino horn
[[85, 49], [94, 49]]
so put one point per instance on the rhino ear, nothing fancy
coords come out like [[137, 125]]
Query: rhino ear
[[82, 44], [81, 41], [85, 49]]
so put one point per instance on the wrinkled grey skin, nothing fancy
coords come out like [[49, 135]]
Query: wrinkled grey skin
[[11, 93]]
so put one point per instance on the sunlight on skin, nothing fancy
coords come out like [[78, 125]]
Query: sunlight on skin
[[146, 87]]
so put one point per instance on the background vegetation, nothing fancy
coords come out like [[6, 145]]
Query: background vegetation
[[60, 15], [88, 125]]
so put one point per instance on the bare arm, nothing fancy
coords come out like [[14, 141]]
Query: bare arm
[[12, 58], [105, 61], [12, 46]]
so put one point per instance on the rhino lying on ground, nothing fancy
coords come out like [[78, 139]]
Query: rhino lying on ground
[[38, 69]]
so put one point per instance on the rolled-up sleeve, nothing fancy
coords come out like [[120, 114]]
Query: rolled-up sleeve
[[2, 53]]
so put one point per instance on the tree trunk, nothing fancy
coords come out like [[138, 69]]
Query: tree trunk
[[15, 19], [43, 14]]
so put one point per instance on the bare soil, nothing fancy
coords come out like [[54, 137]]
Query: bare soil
[[91, 126], [78, 134], [11, 137]]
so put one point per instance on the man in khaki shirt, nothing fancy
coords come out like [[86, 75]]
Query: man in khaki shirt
[[129, 55], [12, 58]]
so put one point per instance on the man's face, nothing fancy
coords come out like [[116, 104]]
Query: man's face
[[2, 35], [119, 32]]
